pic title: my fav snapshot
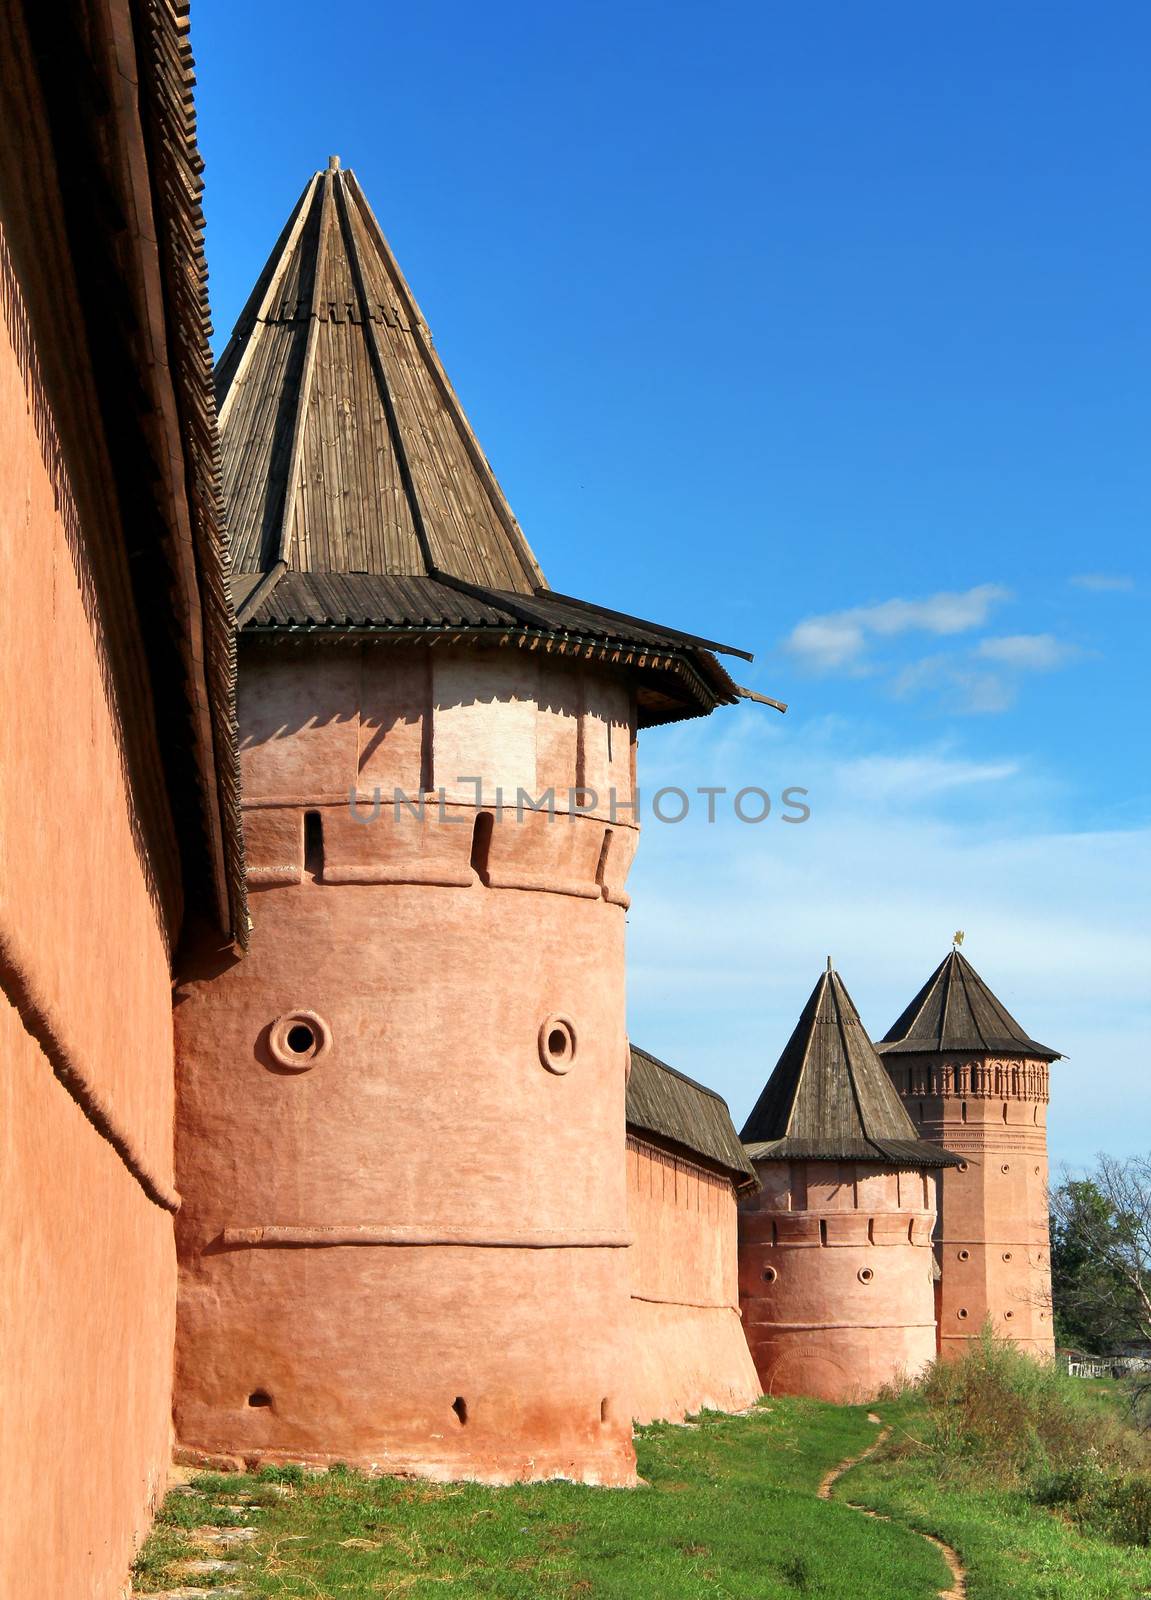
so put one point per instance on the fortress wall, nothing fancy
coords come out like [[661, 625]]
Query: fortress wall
[[427, 1218], [689, 1346], [86, 1175], [835, 1267]]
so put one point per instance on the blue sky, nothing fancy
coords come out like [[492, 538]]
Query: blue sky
[[823, 329]]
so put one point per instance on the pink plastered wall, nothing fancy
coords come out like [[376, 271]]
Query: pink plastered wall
[[448, 1295], [836, 1280], [994, 1224], [690, 1349], [88, 1254]]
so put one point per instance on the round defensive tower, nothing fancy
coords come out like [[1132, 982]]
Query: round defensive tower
[[835, 1262], [400, 1140], [971, 1077]]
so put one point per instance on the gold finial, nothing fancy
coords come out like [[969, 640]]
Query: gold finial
[[957, 939]]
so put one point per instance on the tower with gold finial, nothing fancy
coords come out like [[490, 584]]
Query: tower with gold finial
[[971, 1078]]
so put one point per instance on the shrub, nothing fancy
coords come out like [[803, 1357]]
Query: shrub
[[995, 1413]]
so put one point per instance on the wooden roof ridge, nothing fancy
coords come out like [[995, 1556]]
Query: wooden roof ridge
[[830, 1097], [956, 1012], [345, 447], [665, 1105]]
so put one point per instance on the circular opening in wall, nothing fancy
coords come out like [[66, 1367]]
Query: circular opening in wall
[[557, 1043], [866, 1274], [259, 1397], [770, 1274], [962, 1166], [1009, 1314], [298, 1040], [961, 1313], [965, 1255], [1006, 1167], [1007, 1255]]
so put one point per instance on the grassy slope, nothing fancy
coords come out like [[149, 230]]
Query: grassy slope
[[731, 1511], [1012, 1549]]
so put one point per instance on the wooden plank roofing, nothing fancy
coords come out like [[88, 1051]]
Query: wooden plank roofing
[[955, 1013], [830, 1097], [101, 182], [669, 1108], [358, 497], [345, 448]]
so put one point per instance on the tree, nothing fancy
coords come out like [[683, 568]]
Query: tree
[[1101, 1255]]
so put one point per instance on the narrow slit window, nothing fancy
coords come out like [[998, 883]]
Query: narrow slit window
[[482, 845], [314, 846]]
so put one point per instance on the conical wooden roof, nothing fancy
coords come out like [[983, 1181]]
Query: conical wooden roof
[[358, 498], [956, 1013], [830, 1099], [344, 446]]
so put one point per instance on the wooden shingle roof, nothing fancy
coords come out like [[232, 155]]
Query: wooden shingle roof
[[956, 1013], [830, 1099], [670, 1108], [345, 448], [358, 497]]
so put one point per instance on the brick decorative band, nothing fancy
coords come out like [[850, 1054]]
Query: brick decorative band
[[370, 1233]]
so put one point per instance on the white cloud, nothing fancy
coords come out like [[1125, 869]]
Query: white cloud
[[838, 640], [1028, 652], [1102, 583], [731, 923], [913, 778], [962, 686]]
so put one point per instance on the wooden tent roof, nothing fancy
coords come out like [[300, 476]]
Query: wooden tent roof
[[358, 497], [664, 1105], [830, 1099], [956, 1013]]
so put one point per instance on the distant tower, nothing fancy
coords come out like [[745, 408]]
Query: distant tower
[[835, 1263], [400, 1128], [971, 1078]]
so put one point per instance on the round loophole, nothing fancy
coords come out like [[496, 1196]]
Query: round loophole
[[964, 1255], [1006, 1167], [770, 1274], [866, 1274], [1007, 1255], [962, 1166], [298, 1040], [557, 1044], [961, 1313], [1009, 1315]]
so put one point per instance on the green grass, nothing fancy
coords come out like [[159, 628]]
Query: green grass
[[1012, 1548], [730, 1511]]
